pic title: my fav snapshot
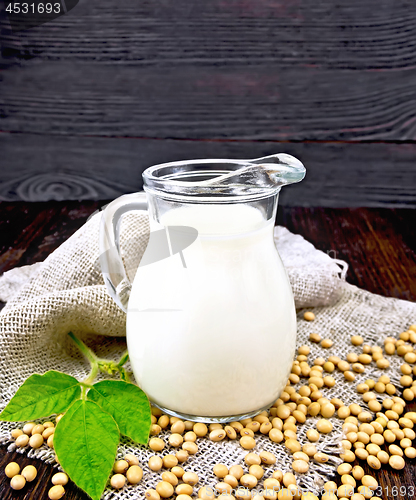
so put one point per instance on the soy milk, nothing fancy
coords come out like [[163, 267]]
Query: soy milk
[[212, 332]]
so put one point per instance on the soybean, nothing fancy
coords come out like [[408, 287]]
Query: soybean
[[309, 316], [249, 481], [313, 435], [324, 426], [36, 441], [373, 462], [189, 447], [217, 435], [57, 492], [155, 463], [60, 478], [252, 458], [30, 472], [256, 470], [223, 488], [315, 337], [396, 462], [267, 458], [156, 444], [236, 471], [220, 470], [184, 489], [176, 439], [190, 478], [12, 469], [327, 343], [117, 481], [169, 461], [164, 489], [200, 429], [300, 466], [152, 494], [16, 433], [18, 482], [247, 442], [131, 459], [321, 457], [121, 466], [357, 472], [27, 428], [370, 482], [134, 474]]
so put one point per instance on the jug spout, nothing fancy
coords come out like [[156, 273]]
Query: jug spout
[[269, 172], [281, 168]]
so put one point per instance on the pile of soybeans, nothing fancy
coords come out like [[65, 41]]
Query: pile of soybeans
[[377, 430]]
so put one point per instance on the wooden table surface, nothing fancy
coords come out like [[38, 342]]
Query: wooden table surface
[[378, 244]]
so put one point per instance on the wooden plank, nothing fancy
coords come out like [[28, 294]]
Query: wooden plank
[[242, 69], [41, 168], [376, 34], [30, 232], [243, 101], [368, 240]]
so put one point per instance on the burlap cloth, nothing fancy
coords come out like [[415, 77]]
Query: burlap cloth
[[66, 292]]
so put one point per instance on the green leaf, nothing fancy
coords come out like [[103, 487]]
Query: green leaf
[[85, 443], [42, 395], [127, 404]]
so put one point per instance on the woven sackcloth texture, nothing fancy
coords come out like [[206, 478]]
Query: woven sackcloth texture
[[66, 292]]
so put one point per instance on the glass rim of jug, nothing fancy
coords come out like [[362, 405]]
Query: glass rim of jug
[[222, 180]]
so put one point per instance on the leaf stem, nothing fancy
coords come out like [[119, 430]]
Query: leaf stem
[[92, 358], [124, 358], [93, 373], [98, 364], [86, 351], [124, 375], [86, 385]]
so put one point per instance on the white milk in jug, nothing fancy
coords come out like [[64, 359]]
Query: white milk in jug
[[212, 332]]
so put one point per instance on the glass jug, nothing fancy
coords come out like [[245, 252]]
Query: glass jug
[[211, 322]]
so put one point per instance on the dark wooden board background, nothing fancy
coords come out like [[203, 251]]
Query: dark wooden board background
[[91, 99]]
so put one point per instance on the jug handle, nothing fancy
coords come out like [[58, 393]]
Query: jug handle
[[112, 268]]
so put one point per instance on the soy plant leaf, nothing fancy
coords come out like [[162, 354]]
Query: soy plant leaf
[[41, 396], [85, 442], [127, 404]]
